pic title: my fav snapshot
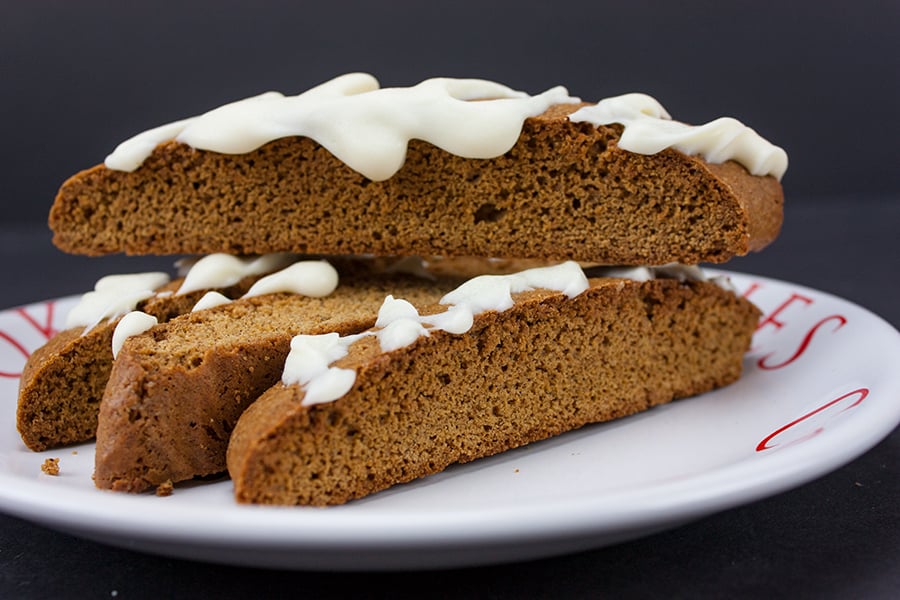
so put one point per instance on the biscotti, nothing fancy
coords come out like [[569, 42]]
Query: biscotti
[[63, 381], [176, 391], [562, 190], [546, 365]]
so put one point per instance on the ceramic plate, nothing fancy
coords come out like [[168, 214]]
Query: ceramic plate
[[821, 386]]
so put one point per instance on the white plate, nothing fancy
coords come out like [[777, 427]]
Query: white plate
[[821, 387]]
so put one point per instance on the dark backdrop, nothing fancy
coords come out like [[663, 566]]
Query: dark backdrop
[[819, 78]]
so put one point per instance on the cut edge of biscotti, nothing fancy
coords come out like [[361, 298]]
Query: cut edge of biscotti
[[364, 417]]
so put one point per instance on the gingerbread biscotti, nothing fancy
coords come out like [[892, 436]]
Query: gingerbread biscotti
[[508, 175], [552, 362], [395, 372], [176, 391], [63, 381]]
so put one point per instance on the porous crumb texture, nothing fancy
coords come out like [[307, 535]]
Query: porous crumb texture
[[546, 366], [564, 191], [176, 391], [63, 381]]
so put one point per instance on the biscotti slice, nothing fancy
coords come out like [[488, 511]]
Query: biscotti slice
[[63, 381], [426, 171], [546, 365], [176, 391]]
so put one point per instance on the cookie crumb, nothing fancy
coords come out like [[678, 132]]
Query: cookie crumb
[[165, 488], [51, 466]]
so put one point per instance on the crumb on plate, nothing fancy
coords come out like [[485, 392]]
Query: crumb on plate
[[165, 488], [51, 466]]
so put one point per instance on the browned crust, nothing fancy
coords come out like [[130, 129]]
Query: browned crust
[[565, 191], [761, 198], [546, 366]]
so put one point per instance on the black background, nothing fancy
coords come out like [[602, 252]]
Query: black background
[[818, 78]]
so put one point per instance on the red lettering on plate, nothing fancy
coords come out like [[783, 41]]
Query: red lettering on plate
[[772, 317], [766, 444], [753, 287], [44, 327], [762, 364]]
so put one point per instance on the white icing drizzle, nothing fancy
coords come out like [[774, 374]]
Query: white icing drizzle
[[494, 292], [211, 299], [313, 278], [131, 324], [668, 271], [679, 272], [308, 364], [369, 128], [649, 129], [116, 295], [113, 296], [223, 270], [399, 324], [632, 273], [365, 127]]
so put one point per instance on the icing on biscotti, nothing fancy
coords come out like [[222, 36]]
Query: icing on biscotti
[[313, 278], [310, 361], [368, 127]]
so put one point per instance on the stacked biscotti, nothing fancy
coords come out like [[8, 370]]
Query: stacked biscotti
[[317, 357]]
